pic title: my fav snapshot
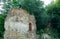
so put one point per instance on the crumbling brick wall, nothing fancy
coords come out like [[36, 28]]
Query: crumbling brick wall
[[19, 25]]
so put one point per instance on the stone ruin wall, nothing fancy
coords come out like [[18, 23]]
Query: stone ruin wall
[[14, 30]]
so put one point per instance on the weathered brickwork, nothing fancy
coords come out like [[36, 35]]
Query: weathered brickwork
[[20, 25]]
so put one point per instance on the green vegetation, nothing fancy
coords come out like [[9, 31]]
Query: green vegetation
[[43, 15], [2, 18]]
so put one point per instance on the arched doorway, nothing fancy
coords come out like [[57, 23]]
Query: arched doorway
[[30, 26]]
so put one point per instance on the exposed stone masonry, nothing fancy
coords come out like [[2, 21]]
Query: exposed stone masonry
[[17, 25]]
